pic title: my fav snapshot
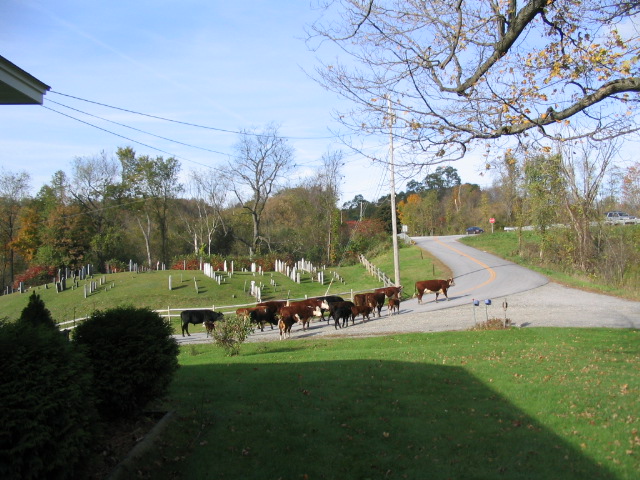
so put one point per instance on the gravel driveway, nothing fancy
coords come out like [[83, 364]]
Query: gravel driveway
[[532, 301]]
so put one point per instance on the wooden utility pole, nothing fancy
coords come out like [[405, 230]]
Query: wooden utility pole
[[394, 221]]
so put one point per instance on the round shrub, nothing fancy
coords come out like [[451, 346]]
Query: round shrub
[[133, 357], [47, 413]]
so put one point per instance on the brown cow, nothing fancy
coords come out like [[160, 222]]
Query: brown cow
[[209, 326], [302, 311], [376, 301], [364, 310], [284, 325], [433, 286], [393, 306], [390, 292], [273, 305], [360, 299]]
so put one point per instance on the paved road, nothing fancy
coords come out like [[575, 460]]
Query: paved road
[[477, 274], [532, 301]]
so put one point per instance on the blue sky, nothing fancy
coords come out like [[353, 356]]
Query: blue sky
[[229, 65]]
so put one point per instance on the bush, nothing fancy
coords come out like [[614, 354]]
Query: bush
[[492, 324], [35, 275], [48, 417], [231, 333], [133, 356], [35, 313]]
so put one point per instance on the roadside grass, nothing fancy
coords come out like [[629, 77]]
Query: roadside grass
[[505, 245], [517, 403], [151, 289]]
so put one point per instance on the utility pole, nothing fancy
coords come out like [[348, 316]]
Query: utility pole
[[394, 221]]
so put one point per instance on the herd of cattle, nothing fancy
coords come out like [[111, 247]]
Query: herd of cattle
[[284, 313]]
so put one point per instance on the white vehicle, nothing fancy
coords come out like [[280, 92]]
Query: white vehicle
[[620, 218]]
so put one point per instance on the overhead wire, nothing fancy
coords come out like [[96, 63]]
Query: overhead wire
[[217, 129], [137, 129], [127, 138]]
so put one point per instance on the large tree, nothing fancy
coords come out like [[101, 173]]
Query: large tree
[[261, 163], [153, 184], [14, 189], [466, 71], [95, 187], [209, 197]]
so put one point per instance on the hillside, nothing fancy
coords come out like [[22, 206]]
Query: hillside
[[151, 289]]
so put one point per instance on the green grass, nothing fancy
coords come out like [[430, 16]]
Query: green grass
[[505, 245], [151, 289], [521, 403]]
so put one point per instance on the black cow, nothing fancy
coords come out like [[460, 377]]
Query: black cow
[[198, 316], [339, 311], [261, 316], [328, 299]]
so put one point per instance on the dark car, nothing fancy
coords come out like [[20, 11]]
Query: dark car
[[474, 230]]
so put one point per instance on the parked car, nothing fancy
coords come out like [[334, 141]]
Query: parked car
[[474, 230], [618, 217]]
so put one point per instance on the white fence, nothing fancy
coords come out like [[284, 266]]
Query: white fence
[[255, 287]]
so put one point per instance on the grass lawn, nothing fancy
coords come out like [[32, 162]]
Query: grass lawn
[[522, 403]]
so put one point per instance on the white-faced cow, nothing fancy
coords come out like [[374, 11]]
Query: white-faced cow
[[198, 316], [326, 300], [302, 311], [433, 286]]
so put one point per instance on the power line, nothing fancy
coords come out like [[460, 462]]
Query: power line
[[126, 138], [217, 129], [136, 129]]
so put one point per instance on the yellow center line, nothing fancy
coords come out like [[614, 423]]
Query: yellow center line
[[492, 273]]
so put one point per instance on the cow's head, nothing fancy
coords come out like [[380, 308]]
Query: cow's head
[[324, 305], [317, 312], [451, 282]]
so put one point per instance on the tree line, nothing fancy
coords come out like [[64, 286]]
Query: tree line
[[112, 210]]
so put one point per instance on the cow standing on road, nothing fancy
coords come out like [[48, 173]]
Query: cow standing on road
[[339, 311], [376, 301], [198, 316], [393, 306], [390, 292], [433, 286]]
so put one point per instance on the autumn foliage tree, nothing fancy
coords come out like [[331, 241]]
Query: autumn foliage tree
[[462, 73]]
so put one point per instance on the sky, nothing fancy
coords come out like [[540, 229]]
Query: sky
[[228, 66]]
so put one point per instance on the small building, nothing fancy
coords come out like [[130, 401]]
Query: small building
[[18, 87]]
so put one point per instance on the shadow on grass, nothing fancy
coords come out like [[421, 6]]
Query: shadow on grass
[[354, 419]]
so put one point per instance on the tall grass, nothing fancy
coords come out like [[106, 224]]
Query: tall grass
[[519, 403]]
